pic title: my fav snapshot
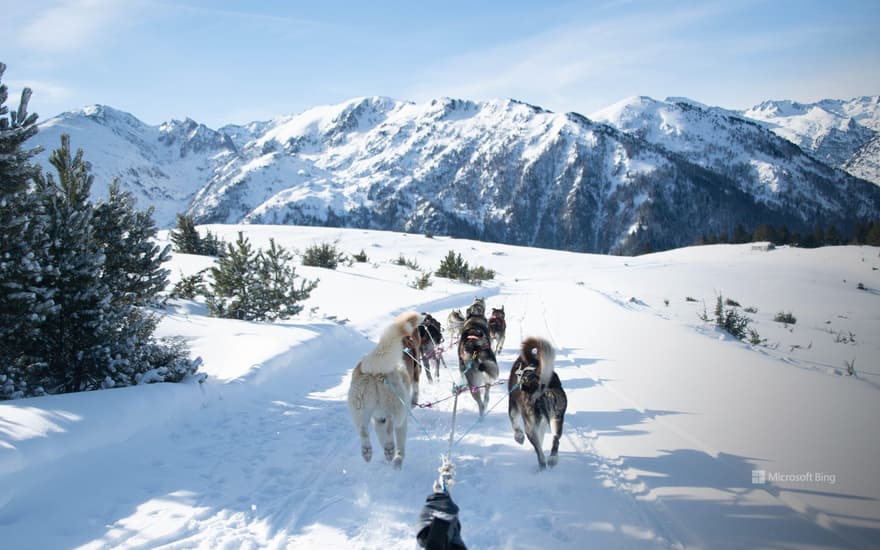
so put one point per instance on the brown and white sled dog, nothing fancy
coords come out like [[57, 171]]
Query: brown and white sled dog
[[536, 398], [476, 360], [381, 388], [497, 328]]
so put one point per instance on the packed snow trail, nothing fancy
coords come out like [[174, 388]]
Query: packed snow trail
[[276, 463]]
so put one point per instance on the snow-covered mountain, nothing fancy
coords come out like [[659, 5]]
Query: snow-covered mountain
[[835, 131], [163, 166], [645, 174], [865, 163]]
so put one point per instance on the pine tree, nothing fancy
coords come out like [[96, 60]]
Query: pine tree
[[24, 299], [765, 232], [15, 128], [187, 240], [818, 237], [105, 267], [133, 261], [873, 236], [185, 237], [211, 245], [740, 235], [76, 333], [832, 236], [860, 231], [256, 286], [234, 281], [453, 266], [785, 236], [276, 293]]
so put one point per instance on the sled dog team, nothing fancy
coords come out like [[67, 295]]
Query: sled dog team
[[385, 383]]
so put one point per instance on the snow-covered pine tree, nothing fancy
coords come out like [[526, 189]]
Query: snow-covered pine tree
[[211, 245], [187, 240], [76, 334], [133, 272], [234, 279], [16, 127], [24, 300], [132, 259], [105, 267], [276, 294]]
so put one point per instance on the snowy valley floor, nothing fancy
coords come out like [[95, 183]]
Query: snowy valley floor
[[676, 434]]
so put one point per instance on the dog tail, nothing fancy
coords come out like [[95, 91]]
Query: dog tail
[[386, 355], [539, 351]]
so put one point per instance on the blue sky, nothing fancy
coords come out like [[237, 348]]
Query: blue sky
[[221, 62]]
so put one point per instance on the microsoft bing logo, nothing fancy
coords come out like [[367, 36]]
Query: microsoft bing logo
[[759, 477]]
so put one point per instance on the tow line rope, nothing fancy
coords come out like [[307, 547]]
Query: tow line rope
[[446, 477]]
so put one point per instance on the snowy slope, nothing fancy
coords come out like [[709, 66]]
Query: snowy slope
[[833, 130], [865, 163], [667, 419], [761, 164], [163, 166]]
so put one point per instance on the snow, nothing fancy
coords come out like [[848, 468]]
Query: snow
[[669, 419], [148, 160]]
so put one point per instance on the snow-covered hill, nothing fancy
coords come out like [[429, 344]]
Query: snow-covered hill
[[676, 435], [835, 131], [645, 175]]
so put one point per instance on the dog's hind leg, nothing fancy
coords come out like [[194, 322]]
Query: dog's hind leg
[[535, 433], [362, 423], [414, 400], [385, 433], [515, 415], [400, 438], [476, 393], [485, 407], [556, 428]]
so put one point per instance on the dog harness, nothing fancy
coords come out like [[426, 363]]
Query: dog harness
[[525, 373]]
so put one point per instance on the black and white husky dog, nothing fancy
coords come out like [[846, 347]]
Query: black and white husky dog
[[431, 333], [476, 360], [536, 398]]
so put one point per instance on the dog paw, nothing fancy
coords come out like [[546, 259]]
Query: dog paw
[[389, 454], [552, 461], [397, 462], [519, 436], [367, 453]]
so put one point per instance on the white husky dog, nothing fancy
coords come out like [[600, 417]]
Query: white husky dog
[[381, 388]]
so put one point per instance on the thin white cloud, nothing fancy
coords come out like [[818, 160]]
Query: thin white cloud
[[567, 63], [73, 24], [48, 92], [595, 61]]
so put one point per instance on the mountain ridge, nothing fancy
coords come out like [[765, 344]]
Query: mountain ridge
[[644, 174]]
